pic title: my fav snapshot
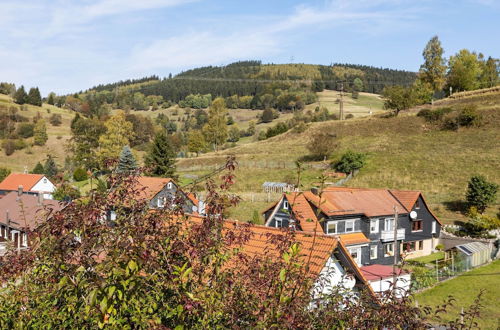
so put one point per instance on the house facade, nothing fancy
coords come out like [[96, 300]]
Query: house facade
[[364, 219], [31, 184], [20, 214]]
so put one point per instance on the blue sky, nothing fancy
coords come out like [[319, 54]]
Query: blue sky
[[65, 46]]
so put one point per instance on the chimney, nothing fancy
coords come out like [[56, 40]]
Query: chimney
[[19, 190], [40, 198]]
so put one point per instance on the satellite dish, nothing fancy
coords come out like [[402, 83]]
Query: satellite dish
[[413, 215]]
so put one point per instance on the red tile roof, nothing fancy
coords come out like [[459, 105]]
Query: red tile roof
[[354, 238], [380, 272], [24, 210], [150, 186], [303, 212], [406, 197], [14, 180]]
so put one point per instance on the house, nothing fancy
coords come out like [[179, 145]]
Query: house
[[20, 214], [28, 183], [330, 264], [381, 279], [161, 191], [364, 219]]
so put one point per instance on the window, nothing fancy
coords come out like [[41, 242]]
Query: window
[[389, 250], [389, 224], [417, 204], [417, 225], [373, 226], [355, 254], [373, 252], [434, 230], [285, 205], [349, 226], [44, 180], [420, 245], [331, 227], [410, 246], [279, 222], [169, 185], [161, 201]]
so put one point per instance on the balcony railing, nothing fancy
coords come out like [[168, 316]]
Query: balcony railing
[[388, 235]]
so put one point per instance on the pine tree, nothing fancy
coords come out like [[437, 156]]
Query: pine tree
[[34, 96], [160, 159], [40, 133], [38, 169], [50, 167], [20, 96], [51, 99], [127, 162]]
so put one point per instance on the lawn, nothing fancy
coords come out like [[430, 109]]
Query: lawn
[[430, 258], [464, 289]]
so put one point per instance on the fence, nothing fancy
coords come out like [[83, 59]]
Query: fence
[[252, 164]]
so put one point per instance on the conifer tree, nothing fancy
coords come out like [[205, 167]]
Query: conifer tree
[[40, 133], [50, 167], [38, 169], [20, 96], [127, 162], [34, 96], [160, 159], [51, 99]]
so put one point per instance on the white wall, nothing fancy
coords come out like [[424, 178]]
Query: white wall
[[333, 277], [402, 284], [45, 186]]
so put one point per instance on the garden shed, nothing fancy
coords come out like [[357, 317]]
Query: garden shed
[[473, 254]]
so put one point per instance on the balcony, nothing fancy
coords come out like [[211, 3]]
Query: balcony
[[388, 235]]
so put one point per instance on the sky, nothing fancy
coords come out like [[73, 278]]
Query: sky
[[67, 46]]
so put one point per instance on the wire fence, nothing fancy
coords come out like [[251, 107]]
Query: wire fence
[[252, 164]]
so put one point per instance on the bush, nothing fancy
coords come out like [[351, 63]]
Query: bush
[[80, 174], [469, 117], [350, 161], [349, 116], [8, 147], [25, 130], [4, 172], [66, 192], [434, 115], [440, 247], [267, 116], [55, 119]]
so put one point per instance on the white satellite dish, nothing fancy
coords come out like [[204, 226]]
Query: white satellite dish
[[413, 214]]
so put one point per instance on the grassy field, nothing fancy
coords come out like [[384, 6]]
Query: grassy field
[[404, 152], [55, 146], [365, 105], [464, 289], [430, 258]]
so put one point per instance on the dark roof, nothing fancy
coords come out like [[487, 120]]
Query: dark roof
[[25, 210]]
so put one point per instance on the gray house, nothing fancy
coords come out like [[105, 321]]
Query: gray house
[[364, 219]]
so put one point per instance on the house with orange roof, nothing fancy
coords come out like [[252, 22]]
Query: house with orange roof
[[32, 184], [364, 219]]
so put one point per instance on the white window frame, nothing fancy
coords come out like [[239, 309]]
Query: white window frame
[[336, 227], [388, 220], [356, 250], [389, 250], [376, 222], [373, 248], [353, 226], [434, 227], [418, 230], [286, 205], [278, 220], [169, 185], [161, 201]]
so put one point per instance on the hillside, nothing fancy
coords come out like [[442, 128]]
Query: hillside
[[55, 146], [403, 152]]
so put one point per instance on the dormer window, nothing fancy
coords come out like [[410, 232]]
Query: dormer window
[[285, 205]]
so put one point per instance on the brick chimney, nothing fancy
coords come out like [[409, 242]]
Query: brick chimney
[[19, 190]]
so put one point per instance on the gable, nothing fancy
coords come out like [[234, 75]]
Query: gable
[[14, 180]]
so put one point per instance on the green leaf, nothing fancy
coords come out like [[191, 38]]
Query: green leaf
[[282, 275], [132, 265], [93, 297], [63, 281], [104, 305], [111, 290]]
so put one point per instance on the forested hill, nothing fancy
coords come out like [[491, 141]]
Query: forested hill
[[254, 78]]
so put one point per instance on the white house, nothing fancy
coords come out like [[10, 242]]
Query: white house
[[31, 184]]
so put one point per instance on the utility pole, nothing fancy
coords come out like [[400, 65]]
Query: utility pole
[[396, 250], [341, 101]]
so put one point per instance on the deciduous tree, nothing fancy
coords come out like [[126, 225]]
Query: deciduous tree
[[215, 130], [118, 134], [480, 193], [464, 71], [433, 70]]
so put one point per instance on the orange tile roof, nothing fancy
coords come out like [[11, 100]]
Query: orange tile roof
[[303, 212], [148, 186], [406, 197], [354, 238], [370, 202], [14, 180]]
